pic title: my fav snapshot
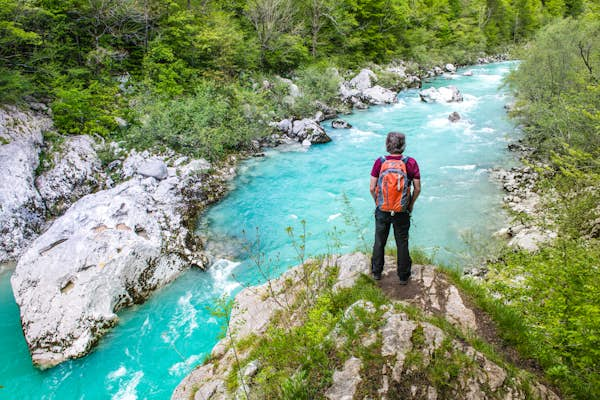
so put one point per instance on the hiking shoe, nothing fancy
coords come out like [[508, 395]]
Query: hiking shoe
[[377, 277]]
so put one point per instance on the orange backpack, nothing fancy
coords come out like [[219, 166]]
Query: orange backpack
[[393, 186]]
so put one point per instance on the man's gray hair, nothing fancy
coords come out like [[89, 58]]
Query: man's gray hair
[[395, 143]]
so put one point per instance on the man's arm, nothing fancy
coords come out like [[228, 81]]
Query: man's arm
[[415, 194], [373, 187]]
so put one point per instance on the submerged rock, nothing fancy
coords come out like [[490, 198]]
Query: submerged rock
[[111, 249], [76, 171], [445, 94], [22, 210], [340, 124], [454, 117]]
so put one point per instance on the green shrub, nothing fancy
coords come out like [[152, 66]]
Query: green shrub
[[81, 109], [210, 123], [557, 292]]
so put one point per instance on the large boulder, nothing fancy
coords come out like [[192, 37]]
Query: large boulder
[[450, 68], [445, 94], [363, 80], [308, 129], [22, 209], [76, 172], [378, 95], [111, 249], [154, 168]]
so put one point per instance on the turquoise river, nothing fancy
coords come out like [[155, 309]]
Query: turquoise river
[[156, 344]]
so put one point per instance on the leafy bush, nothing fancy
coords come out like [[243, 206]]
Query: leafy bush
[[558, 86], [557, 292], [212, 122], [85, 110]]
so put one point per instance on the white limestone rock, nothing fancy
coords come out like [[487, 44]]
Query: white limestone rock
[[450, 68], [404, 337], [76, 172], [22, 210], [153, 168], [285, 126], [363, 80], [445, 94], [378, 95], [111, 249], [308, 129], [293, 89], [345, 382]]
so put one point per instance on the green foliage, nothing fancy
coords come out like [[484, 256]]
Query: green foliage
[[82, 110], [71, 51], [209, 123], [558, 293], [553, 295], [316, 82], [299, 362], [558, 86]]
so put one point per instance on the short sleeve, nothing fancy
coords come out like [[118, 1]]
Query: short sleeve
[[412, 169], [376, 168]]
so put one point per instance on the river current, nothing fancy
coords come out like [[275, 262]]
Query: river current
[[320, 196]]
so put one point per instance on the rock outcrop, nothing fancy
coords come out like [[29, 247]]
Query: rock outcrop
[[445, 94], [378, 95], [76, 171], [305, 131], [360, 91], [410, 356], [111, 249], [22, 210]]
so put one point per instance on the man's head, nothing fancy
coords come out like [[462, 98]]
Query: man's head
[[395, 143]]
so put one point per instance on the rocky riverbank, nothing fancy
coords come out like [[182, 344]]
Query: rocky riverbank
[[398, 348], [526, 230]]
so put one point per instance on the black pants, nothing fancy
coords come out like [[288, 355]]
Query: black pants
[[401, 223]]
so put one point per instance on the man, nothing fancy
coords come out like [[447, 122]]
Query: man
[[406, 170]]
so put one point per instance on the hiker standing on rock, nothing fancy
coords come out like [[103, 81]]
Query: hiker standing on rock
[[392, 179]]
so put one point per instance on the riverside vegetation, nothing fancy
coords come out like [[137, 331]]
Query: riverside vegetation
[[556, 292], [189, 74]]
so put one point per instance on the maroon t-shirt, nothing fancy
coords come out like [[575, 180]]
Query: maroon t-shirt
[[412, 168]]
